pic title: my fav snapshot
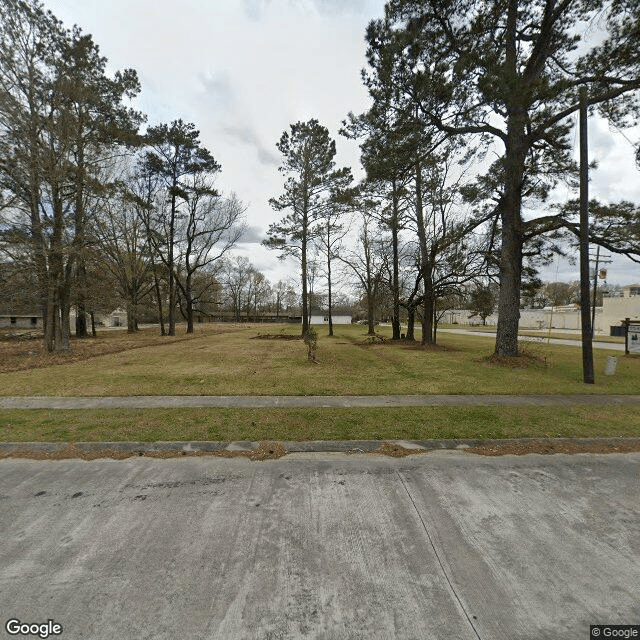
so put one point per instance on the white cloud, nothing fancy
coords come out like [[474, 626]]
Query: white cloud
[[244, 70], [616, 177]]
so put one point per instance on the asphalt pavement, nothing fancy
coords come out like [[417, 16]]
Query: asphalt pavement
[[445, 545]]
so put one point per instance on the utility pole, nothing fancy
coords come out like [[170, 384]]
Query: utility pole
[[587, 342], [598, 260]]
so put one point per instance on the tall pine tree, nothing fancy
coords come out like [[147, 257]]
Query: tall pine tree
[[308, 165]]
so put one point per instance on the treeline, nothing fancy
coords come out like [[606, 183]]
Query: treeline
[[469, 132], [89, 203]]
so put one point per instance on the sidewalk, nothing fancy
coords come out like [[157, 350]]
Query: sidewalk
[[279, 402]]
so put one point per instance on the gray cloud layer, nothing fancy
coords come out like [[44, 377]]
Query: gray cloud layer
[[252, 235], [255, 8], [248, 136]]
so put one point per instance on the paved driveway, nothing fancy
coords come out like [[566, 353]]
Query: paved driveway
[[444, 545]]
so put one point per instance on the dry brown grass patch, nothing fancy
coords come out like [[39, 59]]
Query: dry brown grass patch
[[377, 339], [265, 451], [396, 450], [549, 447], [370, 340], [70, 451], [414, 345], [19, 355], [524, 360]]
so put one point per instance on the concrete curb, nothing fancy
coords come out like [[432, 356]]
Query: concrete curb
[[279, 402], [317, 446]]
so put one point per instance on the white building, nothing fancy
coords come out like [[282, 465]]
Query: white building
[[615, 310], [564, 317], [612, 314], [322, 317]]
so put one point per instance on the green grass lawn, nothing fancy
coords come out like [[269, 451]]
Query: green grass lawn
[[414, 423], [237, 363]]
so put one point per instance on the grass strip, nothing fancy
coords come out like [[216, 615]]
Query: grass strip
[[412, 423]]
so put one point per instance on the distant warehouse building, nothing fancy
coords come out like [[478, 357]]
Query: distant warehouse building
[[615, 310], [11, 321], [338, 316]]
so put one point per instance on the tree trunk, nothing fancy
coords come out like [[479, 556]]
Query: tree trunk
[[411, 323], [305, 301], [395, 319], [371, 313], [172, 305], [435, 324], [428, 305], [52, 321], [55, 339], [131, 316], [81, 307], [426, 268], [65, 325], [156, 284], [154, 265], [187, 295], [510, 281], [511, 250], [172, 282], [38, 240], [510, 205], [329, 282], [81, 318]]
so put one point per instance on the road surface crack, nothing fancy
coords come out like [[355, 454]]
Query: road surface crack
[[439, 559]]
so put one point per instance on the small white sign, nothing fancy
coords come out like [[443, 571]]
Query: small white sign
[[633, 340]]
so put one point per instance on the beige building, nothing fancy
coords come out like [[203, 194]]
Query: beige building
[[611, 314], [9, 321], [615, 310]]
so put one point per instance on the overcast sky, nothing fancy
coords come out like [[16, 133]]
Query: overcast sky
[[244, 70]]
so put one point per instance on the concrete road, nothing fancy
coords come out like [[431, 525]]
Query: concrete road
[[439, 546]]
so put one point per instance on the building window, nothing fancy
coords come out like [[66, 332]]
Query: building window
[[325, 319], [13, 320], [34, 322]]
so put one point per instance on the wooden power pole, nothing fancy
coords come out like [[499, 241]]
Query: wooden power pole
[[587, 343]]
